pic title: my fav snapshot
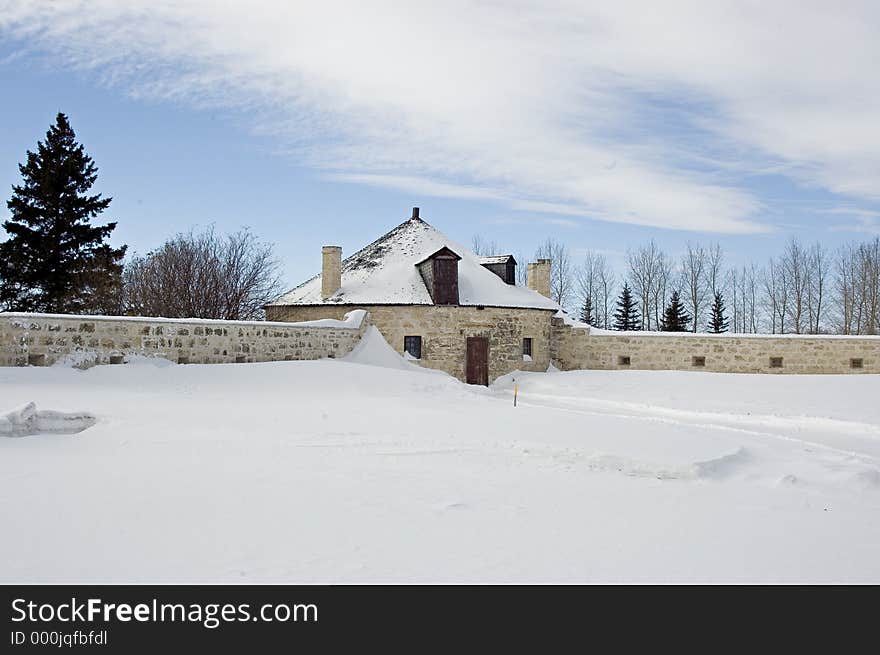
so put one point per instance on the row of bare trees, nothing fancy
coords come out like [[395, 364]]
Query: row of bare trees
[[806, 289]]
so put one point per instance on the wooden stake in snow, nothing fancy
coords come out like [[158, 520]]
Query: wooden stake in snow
[[514, 392]]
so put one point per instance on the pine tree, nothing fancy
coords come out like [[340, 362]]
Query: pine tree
[[718, 323], [675, 318], [55, 260], [626, 316], [587, 311]]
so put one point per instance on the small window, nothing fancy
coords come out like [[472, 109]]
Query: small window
[[527, 346], [117, 359], [623, 360], [776, 362], [36, 360], [856, 362], [413, 346], [698, 361]]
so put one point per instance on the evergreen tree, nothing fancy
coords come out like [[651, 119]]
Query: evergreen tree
[[626, 316], [587, 311], [55, 260], [718, 322], [675, 318]]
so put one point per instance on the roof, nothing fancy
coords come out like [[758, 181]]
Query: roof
[[497, 259], [443, 252], [385, 273]]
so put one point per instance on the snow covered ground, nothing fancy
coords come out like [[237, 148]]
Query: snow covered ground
[[371, 469]]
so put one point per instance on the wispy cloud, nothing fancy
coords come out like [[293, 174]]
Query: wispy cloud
[[866, 221], [608, 110]]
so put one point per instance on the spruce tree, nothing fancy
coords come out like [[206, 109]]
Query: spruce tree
[[718, 322], [675, 318], [626, 316], [55, 260], [587, 311]]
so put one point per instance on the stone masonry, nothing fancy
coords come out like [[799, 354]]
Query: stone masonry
[[43, 339], [578, 348], [444, 329], [538, 277]]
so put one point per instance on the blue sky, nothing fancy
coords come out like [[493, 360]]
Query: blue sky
[[598, 125]]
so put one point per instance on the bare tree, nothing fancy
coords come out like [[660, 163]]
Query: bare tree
[[595, 280], [817, 270], [608, 288], [776, 290], [857, 288], [203, 275], [561, 273], [484, 248], [694, 281], [522, 269], [715, 269], [650, 271], [805, 272]]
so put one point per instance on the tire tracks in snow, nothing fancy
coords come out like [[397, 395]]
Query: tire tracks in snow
[[867, 435]]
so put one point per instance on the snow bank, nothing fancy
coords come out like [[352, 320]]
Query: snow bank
[[27, 420]]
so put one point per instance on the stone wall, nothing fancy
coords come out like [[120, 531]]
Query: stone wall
[[44, 339], [581, 348], [444, 330]]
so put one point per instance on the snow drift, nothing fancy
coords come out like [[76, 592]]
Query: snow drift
[[373, 350]]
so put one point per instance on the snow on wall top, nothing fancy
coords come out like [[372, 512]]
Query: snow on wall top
[[385, 272], [599, 332], [352, 320]]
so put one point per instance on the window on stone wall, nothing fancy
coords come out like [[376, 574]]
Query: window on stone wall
[[856, 362], [623, 360], [413, 346], [776, 362], [527, 346], [698, 361]]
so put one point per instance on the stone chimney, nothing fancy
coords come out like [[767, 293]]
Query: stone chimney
[[331, 270], [538, 274]]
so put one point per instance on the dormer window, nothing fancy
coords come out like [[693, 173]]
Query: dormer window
[[504, 266], [440, 273]]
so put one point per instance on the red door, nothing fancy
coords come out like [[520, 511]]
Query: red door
[[477, 368]]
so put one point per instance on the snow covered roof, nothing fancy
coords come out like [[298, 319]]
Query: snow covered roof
[[385, 272], [497, 259]]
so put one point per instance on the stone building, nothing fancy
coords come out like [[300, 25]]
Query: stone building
[[435, 302], [439, 304]]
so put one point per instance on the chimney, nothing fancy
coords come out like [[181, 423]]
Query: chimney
[[415, 214], [538, 274], [331, 270]]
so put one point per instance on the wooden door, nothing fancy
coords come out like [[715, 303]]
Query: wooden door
[[477, 368]]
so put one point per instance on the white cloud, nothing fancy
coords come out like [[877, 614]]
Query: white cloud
[[642, 113]]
